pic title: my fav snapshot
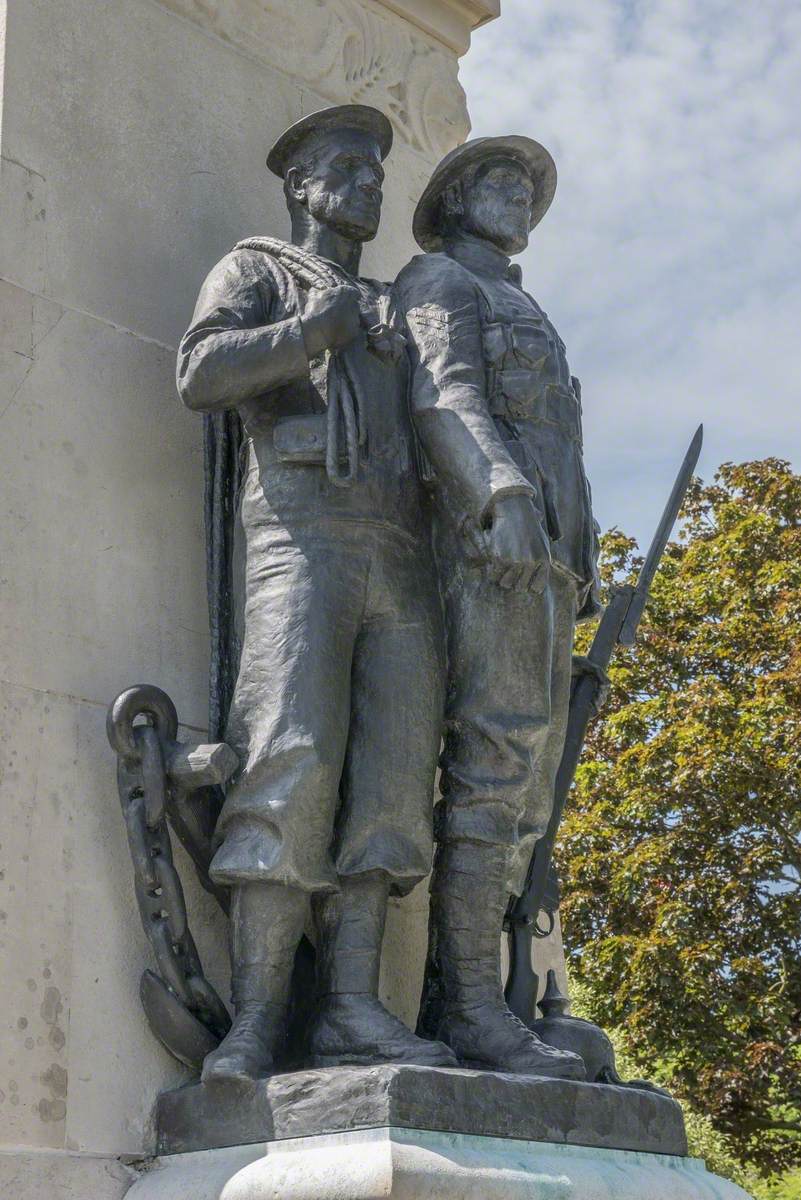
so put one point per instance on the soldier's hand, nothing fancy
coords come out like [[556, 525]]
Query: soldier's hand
[[330, 320], [518, 547], [584, 666]]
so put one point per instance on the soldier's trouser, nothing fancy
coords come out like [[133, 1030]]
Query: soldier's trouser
[[337, 710], [506, 710]]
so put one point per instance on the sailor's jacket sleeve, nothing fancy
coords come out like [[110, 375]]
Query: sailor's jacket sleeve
[[232, 350], [449, 386]]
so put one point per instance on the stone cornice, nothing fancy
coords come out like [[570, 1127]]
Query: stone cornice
[[450, 21]]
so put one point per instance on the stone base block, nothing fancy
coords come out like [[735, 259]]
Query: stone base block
[[409, 1164], [342, 1099]]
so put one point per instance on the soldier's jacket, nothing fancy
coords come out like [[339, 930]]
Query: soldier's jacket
[[495, 406]]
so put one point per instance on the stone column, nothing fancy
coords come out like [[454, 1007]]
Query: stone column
[[133, 136]]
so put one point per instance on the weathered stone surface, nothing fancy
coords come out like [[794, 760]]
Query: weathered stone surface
[[62, 1175], [310, 1103], [78, 1064], [401, 1164]]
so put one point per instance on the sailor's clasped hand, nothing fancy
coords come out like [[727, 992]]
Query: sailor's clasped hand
[[331, 319]]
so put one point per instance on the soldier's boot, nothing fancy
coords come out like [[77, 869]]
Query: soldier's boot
[[468, 901], [351, 1024], [267, 922]]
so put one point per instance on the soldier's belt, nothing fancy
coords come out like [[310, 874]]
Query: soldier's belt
[[555, 404]]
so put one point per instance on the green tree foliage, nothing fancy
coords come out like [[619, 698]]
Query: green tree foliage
[[703, 1140], [680, 854], [786, 1188]]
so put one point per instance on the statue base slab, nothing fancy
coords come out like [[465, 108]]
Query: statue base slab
[[414, 1164], [338, 1100]]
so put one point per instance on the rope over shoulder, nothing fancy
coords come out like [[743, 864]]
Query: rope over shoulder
[[308, 269]]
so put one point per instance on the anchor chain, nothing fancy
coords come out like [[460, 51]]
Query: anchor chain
[[156, 776]]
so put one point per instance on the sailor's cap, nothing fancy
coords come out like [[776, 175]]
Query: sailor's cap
[[341, 116]]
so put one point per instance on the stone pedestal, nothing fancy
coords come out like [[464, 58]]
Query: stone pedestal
[[415, 1164], [410, 1133], [343, 1099]]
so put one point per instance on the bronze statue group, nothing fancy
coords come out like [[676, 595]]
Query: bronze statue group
[[404, 544]]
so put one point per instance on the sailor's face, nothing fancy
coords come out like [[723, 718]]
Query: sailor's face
[[497, 205], [343, 189]]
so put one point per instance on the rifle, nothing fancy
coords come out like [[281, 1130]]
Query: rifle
[[618, 626]]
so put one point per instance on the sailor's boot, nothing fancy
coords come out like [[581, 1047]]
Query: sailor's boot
[[352, 1025], [266, 925], [468, 901]]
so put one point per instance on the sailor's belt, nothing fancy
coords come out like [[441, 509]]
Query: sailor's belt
[[515, 398], [302, 439]]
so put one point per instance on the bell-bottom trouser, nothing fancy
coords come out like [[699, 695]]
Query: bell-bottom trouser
[[337, 710]]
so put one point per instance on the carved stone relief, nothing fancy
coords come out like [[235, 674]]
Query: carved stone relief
[[349, 52]]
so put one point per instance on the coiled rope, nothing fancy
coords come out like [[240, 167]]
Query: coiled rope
[[342, 399]]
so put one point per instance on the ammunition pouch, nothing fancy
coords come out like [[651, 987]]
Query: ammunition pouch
[[513, 398]]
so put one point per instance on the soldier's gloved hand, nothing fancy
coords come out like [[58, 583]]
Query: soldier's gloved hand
[[517, 545], [330, 320]]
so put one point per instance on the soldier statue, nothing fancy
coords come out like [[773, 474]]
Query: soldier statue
[[499, 418], [334, 642]]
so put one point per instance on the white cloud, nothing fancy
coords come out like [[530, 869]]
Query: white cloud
[[671, 258]]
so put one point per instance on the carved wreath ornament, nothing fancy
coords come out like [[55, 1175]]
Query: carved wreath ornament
[[349, 53]]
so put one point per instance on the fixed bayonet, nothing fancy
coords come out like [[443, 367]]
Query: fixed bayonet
[[628, 633]]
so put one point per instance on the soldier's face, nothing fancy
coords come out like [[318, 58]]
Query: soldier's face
[[496, 206], [343, 185]]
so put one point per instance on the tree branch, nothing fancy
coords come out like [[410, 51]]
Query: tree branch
[[768, 1123]]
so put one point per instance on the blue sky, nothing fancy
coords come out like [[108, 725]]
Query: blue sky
[[670, 260]]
